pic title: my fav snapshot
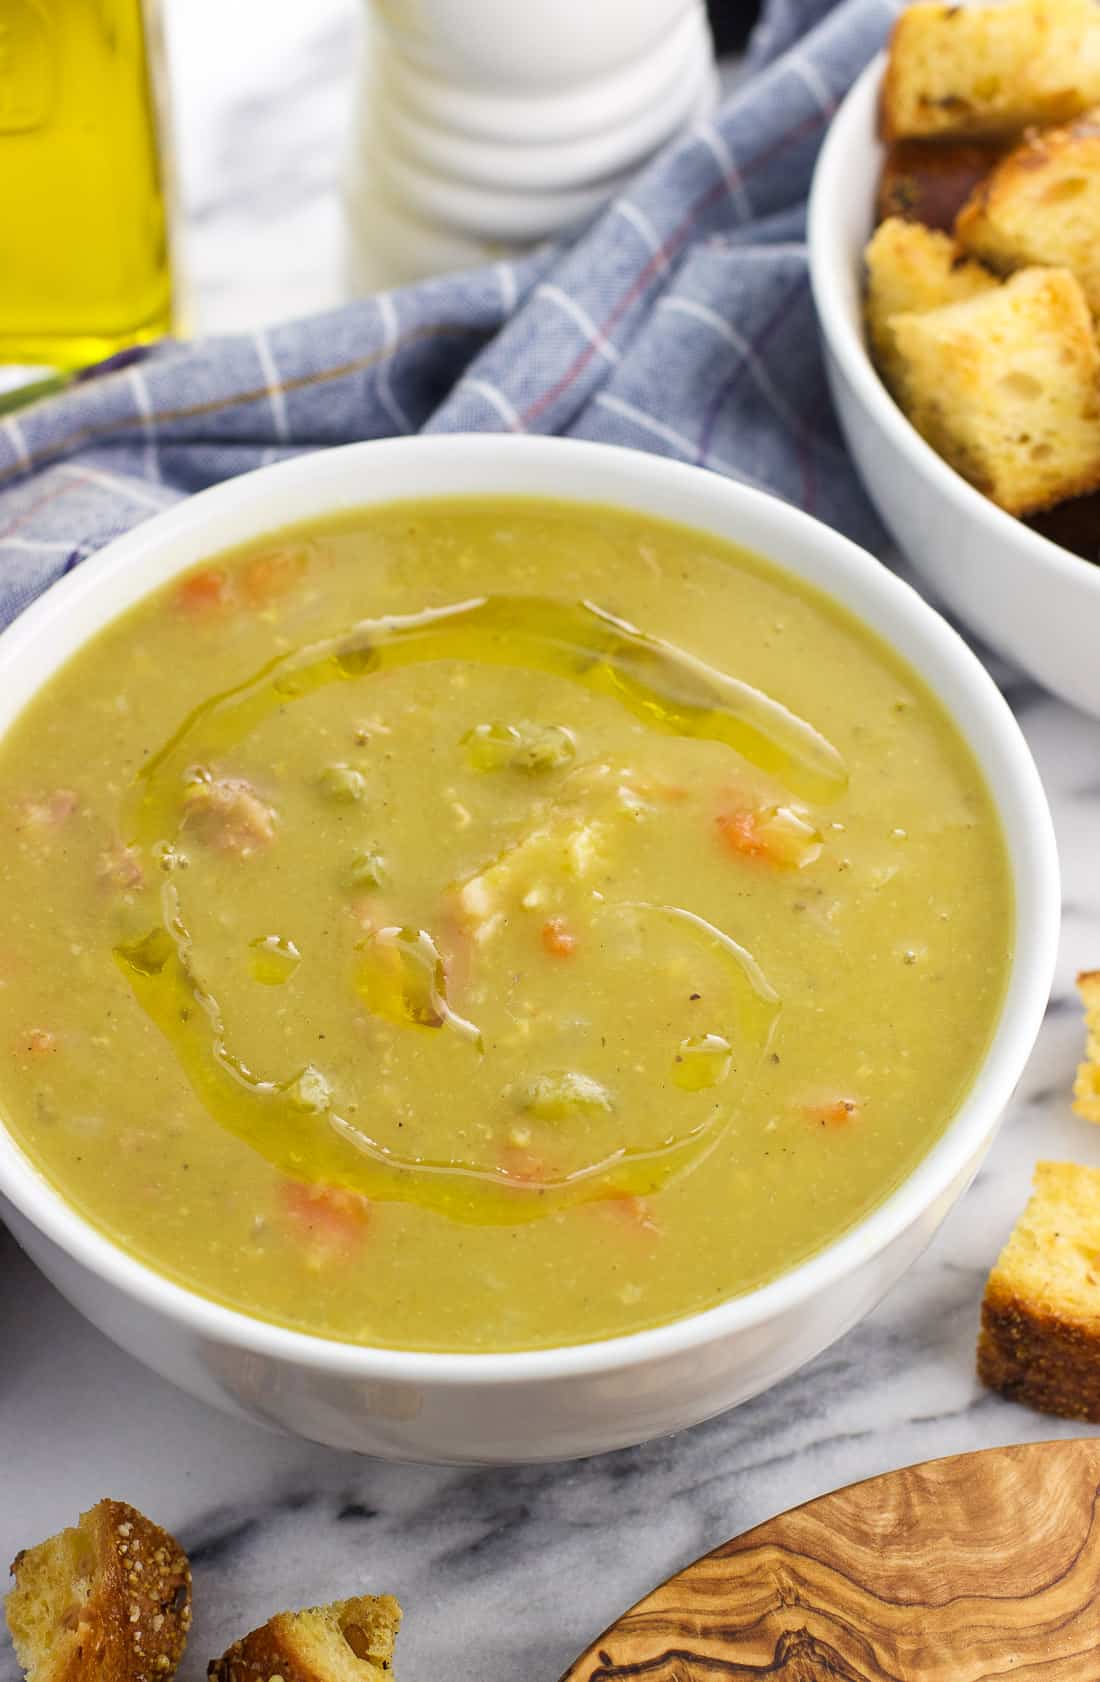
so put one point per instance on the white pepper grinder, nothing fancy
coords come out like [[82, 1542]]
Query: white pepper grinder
[[485, 126]]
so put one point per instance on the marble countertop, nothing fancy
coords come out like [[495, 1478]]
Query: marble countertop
[[505, 1575], [259, 226]]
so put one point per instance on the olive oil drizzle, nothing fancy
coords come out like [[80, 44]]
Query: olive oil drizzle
[[761, 999], [316, 1143], [293, 1123], [669, 689]]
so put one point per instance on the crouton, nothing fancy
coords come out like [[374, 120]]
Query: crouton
[[929, 181], [1041, 205], [1006, 386], [349, 1641], [107, 1601], [1040, 1335], [1086, 1088], [990, 69], [911, 269]]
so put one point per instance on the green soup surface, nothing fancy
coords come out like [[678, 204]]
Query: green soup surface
[[484, 925]]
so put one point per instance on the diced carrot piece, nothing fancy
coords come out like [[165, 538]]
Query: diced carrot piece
[[557, 940], [776, 834], [629, 1211], [269, 576], [524, 1166], [836, 1112], [205, 592], [331, 1220], [740, 831], [39, 1042]]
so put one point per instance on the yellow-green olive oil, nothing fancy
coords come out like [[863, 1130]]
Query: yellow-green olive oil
[[84, 262]]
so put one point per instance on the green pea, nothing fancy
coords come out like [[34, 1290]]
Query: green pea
[[367, 870], [342, 784], [524, 746]]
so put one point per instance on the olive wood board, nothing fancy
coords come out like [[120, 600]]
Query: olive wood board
[[977, 1567]]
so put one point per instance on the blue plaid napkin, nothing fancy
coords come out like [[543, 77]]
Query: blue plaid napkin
[[679, 321]]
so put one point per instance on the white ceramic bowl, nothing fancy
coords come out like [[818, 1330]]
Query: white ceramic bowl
[[1023, 595], [551, 1403]]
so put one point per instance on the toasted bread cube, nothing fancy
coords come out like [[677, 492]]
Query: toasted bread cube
[[348, 1641], [1042, 205], [990, 69], [1006, 386], [912, 269], [107, 1601], [929, 181], [1086, 1088], [1040, 1336]]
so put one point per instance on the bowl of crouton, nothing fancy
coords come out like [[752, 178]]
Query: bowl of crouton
[[954, 237]]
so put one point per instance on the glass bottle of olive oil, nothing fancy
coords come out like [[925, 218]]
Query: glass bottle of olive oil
[[84, 264]]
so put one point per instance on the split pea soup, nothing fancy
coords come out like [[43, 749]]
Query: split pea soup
[[489, 924]]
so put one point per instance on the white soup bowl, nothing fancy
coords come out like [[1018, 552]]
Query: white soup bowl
[[552, 1403]]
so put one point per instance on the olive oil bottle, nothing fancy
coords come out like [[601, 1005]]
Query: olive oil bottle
[[84, 262]]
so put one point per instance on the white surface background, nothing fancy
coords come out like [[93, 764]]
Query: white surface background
[[505, 1575], [261, 94]]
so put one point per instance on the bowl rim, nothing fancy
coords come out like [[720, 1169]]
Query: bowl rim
[[843, 336], [837, 564]]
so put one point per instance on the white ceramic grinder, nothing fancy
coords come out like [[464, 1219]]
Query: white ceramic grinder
[[485, 126]]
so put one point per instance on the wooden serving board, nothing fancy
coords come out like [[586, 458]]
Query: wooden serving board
[[978, 1567]]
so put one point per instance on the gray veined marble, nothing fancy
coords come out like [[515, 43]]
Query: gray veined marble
[[505, 1575]]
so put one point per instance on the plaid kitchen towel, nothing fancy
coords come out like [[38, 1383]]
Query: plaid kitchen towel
[[679, 321]]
